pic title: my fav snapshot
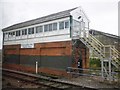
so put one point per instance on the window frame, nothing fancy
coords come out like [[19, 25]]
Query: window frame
[[55, 28], [31, 30], [46, 28], [50, 27], [67, 21], [24, 31], [18, 34], [60, 24], [39, 29]]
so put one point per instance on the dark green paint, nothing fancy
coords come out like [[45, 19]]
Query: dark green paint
[[71, 24], [56, 62]]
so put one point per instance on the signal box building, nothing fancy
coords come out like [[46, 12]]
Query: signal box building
[[47, 40]]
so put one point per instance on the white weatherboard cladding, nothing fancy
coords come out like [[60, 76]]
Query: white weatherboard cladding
[[40, 40], [51, 36], [79, 12], [80, 22]]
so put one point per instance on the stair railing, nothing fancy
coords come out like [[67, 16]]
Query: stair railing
[[92, 41]]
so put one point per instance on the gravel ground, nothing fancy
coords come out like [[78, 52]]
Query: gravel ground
[[14, 83], [91, 82], [94, 82]]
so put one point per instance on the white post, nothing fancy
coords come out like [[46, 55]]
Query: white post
[[102, 71], [110, 76], [36, 67]]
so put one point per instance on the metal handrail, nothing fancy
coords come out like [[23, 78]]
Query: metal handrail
[[96, 40], [116, 51], [97, 44]]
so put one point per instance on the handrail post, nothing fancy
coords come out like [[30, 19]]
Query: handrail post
[[110, 76]]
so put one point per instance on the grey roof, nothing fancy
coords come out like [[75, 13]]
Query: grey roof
[[50, 17], [95, 32]]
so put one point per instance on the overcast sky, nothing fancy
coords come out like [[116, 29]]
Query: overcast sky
[[103, 14]]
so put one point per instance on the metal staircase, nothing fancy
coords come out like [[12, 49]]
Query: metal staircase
[[108, 55]]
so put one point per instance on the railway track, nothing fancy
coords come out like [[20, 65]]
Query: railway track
[[42, 80]]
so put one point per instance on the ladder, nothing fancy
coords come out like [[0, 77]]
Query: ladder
[[108, 54]]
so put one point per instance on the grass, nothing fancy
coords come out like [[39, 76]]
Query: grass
[[95, 63]]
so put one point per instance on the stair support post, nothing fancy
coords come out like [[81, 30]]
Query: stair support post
[[102, 72], [110, 74]]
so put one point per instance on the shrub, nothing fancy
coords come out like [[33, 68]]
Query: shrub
[[95, 63]]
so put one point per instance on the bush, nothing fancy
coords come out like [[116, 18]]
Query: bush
[[95, 63]]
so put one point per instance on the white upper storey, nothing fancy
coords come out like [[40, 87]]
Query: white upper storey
[[50, 31]]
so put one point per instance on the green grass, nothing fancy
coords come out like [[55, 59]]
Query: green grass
[[95, 63]]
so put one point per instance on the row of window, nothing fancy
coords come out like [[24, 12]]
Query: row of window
[[39, 29]]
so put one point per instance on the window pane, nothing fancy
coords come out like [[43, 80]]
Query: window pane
[[54, 26], [67, 24], [24, 32], [45, 28], [61, 25], [50, 27], [6, 35], [13, 33], [30, 30], [39, 29], [18, 33]]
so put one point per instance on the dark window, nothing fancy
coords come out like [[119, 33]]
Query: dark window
[[39, 29], [9, 34], [54, 26], [18, 33], [50, 27], [66, 24], [46, 28], [30, 30], [6, 35], [24, 32], [13, 33], [61, 25]]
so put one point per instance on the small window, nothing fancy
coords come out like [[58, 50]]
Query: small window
[[61, 25], [66, 24], [54, 26], [50, 27], [30, 30], [6, 35], [9, 34], [18, 33], [46, 28], [24, 32], [13, 33], [39, 29]]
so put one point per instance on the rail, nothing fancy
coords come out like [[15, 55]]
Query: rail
[[59, 84]]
